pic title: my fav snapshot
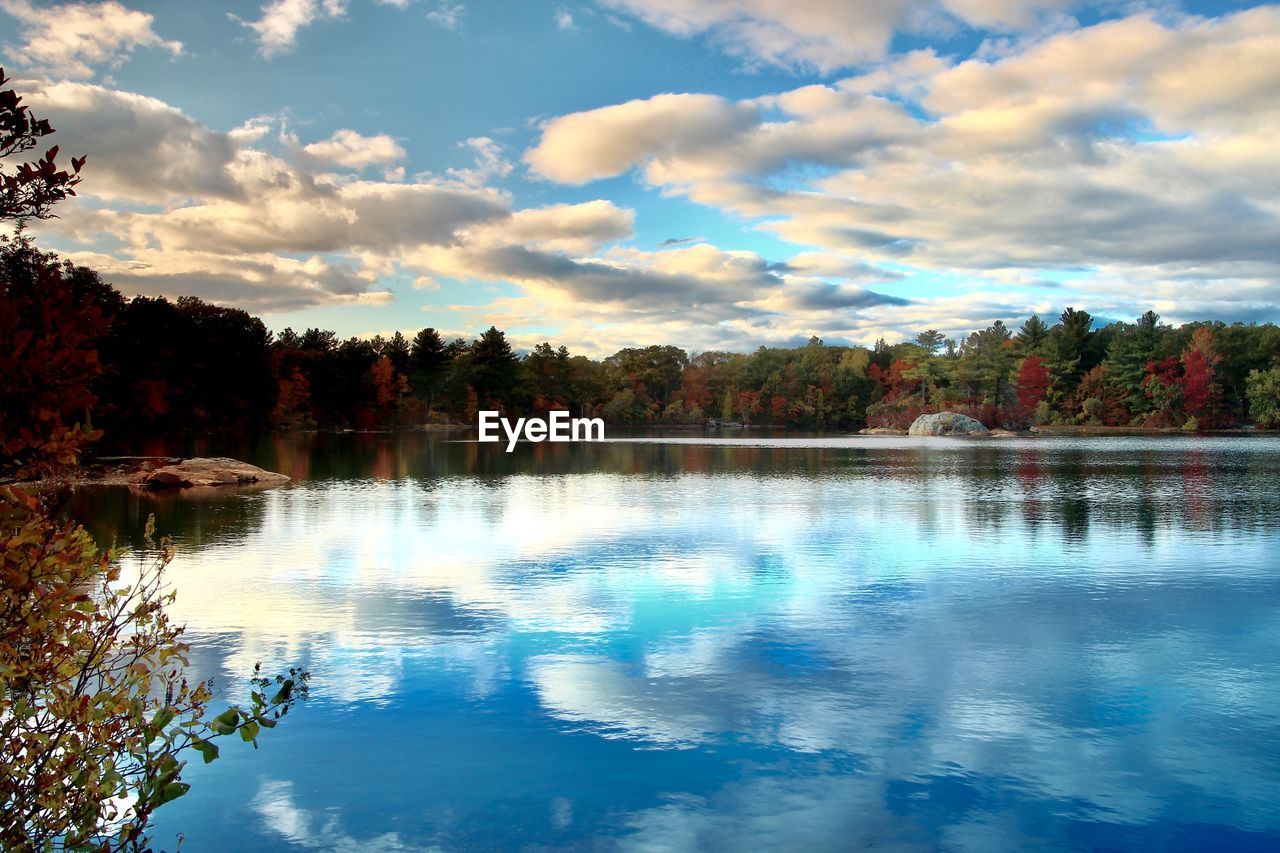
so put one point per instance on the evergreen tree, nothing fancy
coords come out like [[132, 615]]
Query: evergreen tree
[[494, 367], [426, 364], [1065, 352], [1032, 335], [931, 340], [1128, 355], [397, 349]]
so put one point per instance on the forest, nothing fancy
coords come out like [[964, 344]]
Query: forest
[[163, 366]]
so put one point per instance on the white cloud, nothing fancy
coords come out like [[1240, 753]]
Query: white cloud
[[349, 148], [824, 35], [564, 19], [189, 210], [447, 15], [1138, 153], [77, 38], [599, 143], [490, 164], [139, 148], [277, 29], [1135, 144]]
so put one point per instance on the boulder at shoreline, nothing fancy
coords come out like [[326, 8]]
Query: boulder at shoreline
[[218, 471], [947, 423]]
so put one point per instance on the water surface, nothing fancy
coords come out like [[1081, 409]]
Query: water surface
[[655, 644]]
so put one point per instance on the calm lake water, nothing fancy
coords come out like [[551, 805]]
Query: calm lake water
[[793, 644]]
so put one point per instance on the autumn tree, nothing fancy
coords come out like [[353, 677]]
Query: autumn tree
[[1164, 390], [97, 715], [53, 316], [1201, 396], [96, 712], [1032, 383], [31, 189]]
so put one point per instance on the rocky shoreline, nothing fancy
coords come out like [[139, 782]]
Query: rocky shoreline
[[160, 473]]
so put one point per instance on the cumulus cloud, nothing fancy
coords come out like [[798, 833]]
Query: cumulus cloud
[[1138, 149], [351, 149], [824, 35], [600, 143], [75, 39], [575, 228], [141, 148], [1130, 163], [277, 29], [250, 217], [260, 283]]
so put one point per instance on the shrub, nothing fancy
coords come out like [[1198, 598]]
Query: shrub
[[96, 711]]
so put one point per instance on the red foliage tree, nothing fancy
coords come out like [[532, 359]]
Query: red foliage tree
[[52, 317], [1033, 382], [1163, 388], [1201, 396]]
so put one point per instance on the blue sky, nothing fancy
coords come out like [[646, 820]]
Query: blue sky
[[712, 174]]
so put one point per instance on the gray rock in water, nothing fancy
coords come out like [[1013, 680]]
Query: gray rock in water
[[206, 472], [947, 423]]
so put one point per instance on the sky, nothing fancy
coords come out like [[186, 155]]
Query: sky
[[714, 174]]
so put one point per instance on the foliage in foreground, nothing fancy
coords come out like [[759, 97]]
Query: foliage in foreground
[[96, 711]]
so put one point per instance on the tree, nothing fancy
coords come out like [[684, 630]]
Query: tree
[[1032, 335], [1066, 351], [1164, 390], [1033, 382], [931, 340], [1263, 390], [653, 372], [386, 384], [1098, 399], [986, 364], [427, 362], [493, 367], [1127, 357], [397, 349], [30, 190], [53, 317], [1201, 396]]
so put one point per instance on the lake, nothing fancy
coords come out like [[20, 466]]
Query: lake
[[677, 643]]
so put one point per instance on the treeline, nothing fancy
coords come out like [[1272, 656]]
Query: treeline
[[188, 365]]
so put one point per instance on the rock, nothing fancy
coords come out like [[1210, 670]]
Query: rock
[[947, 423], [1004, 433], [882, 431], [205, 472]]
